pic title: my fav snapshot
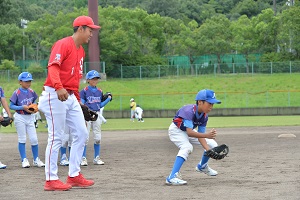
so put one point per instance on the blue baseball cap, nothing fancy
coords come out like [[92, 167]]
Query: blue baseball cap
[[92, 74], [25, 76], [207, 95]]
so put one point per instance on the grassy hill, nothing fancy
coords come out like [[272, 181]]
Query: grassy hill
[[236, 90]]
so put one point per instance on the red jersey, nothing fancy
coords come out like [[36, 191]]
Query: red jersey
[[67, 62]]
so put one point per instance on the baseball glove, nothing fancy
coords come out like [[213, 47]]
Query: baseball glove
[[218, 152], [106, 95], [88, 114], [33, 107], [6, 121]]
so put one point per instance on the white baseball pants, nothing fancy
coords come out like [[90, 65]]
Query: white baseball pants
[[58, 114], [184, 142], [25, 124], [96, 129]]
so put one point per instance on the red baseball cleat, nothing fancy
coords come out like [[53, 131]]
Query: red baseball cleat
[[56, 185], [79, 181]]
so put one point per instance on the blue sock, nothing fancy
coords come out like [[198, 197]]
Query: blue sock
[[22, 151], [63, 150], [177, 165], [84, 152], [35, 151], [203, 161], [96, 150]]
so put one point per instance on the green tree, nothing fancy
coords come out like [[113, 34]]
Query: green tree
[[168, 8], [207, 12], [119, 39], [266, 26], [36, 70], [80, 4], [222, 6], [171, 28], [190, 10], [20, 10], [48, 29], [246, 7], [55, 6], [128, 35], [133, 37], [243, 36], [12, 41], [187, 41], [289, 36], [214, 37], [8, 65], [5, 6]]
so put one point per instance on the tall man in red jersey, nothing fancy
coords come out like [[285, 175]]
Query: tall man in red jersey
[[60, 98]]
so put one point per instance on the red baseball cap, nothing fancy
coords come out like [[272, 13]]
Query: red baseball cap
[[85, 21]]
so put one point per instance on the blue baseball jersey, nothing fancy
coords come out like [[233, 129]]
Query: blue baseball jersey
[[22, 97], [188, 117], [92, 97], [1, 94]]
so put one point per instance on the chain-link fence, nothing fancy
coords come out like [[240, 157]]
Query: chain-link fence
[[237, 99], [159, 71], [166, 101]]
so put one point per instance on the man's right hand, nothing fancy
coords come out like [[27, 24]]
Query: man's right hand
[[62, 94]]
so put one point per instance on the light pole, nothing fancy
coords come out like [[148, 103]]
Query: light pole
[[290, 2], [23, 26]]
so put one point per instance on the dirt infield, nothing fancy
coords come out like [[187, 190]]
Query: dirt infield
[[260, 166]]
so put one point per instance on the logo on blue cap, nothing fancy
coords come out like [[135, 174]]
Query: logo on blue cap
[[207, 95], [25, 76], [92, 74]]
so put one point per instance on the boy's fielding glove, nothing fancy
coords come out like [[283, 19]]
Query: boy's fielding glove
[[88, 114], [106, 95], [33, 107], [218, 152], [6, 121]]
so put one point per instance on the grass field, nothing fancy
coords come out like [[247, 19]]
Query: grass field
[[163, 123], [235, 91]]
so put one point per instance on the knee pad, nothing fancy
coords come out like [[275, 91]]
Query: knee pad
[[185, 151], [22, 138], [97, 137], [33, 141]]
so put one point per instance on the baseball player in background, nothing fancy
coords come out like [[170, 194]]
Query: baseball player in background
[[37, 117], [91, 96], [183, 134], [132, 109], [24, 119], [66, 143], [6, 113], [139, 113], [60, 102]]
